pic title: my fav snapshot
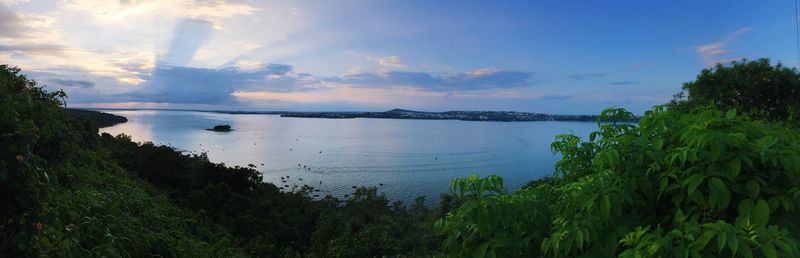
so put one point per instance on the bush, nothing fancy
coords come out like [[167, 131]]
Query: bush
[[701, 184]]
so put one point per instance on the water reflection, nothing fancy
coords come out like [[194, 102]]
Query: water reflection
[[405, 158]]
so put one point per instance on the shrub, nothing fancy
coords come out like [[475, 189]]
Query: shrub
[[700, 184]]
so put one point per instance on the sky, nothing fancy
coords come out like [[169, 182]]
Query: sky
[[559, 57]]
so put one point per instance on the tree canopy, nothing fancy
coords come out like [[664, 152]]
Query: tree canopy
[[756, 87]]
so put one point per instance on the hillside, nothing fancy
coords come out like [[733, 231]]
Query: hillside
[[66, 191]]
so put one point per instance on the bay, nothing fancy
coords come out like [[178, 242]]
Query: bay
[[403, 158]]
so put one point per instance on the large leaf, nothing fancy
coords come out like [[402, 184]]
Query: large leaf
[[719, 194], [761, 213]]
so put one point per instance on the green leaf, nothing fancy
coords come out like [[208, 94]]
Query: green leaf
[[606, 206], [658, 143], [746, 250], [769, 250], [716, 150], [733, 244], [481, 251], [734, 167], [761, 213], [731, 113], [679, 217], [753, 188], [702, 241], [722, 237], [693, 181], [719, 194], [746, 206]]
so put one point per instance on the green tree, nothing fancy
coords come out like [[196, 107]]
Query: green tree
[[756, 87]]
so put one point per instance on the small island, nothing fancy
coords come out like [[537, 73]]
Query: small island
[[221, 128]]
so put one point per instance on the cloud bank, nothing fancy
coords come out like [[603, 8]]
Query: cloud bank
[[481, 79]]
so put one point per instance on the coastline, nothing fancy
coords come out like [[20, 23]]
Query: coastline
[[100, 119], [488, 116]]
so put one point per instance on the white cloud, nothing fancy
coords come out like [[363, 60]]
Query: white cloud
[[394, 61], [483, 72], [113, 11], [12, 2], [712, 53]]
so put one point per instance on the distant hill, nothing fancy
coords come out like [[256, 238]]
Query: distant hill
[[100, 119], [503, 116]]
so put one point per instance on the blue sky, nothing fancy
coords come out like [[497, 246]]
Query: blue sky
[[565, 57]]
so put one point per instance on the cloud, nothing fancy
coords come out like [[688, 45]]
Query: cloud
[[280, 82], [623, 83], [212, 11], [45, 50], [11, 24], [17, 26], [391, 61], [583, 76], [12, 2], [345, 94], [480, 79], [179, 84], [73, 83], [711, 53]]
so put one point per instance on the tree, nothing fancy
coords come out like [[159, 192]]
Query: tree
[[757, 88]]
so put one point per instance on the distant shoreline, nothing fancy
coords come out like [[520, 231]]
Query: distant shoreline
[[489, 116], [99, 119]]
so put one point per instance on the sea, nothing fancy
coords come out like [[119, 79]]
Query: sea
[[403, 158]]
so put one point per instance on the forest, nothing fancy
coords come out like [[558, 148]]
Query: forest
[[713, 173]]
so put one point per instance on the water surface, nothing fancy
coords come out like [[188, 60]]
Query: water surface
[[404, 158]]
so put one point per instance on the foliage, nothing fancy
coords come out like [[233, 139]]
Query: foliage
[[60, 198], [700, 184], [757, 88], [367, 226], [68, 192], [268, 222]]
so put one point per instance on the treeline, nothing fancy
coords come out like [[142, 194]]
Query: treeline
[[100, 119]]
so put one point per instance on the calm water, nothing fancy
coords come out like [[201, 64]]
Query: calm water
[[409, 157]]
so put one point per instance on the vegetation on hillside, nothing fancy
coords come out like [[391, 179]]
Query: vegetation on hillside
[[60, 197], [68, 192], [100, 119], [268, 222]]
